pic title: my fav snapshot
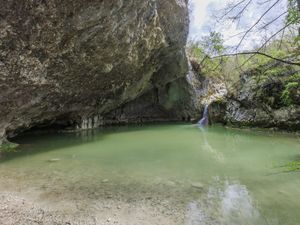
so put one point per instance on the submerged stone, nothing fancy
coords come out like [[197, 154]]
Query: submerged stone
[[197, 185], [54, 160]]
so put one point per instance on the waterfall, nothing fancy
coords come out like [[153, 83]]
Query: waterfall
[[204, 121]]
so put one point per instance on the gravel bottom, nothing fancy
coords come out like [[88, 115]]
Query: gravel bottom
[[20, 210]]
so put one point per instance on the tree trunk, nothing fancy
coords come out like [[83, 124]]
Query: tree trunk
[[298, 2]]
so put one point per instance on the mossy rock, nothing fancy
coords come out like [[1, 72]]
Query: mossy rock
[[292, 166], [8, 147]]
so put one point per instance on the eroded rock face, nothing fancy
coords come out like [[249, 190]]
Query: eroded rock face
[[69, 62], [260, 104], [268, 96]]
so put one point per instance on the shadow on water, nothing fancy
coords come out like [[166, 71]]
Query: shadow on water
[[36, 142]]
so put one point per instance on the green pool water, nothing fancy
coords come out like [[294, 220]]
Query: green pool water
[[212, 176]]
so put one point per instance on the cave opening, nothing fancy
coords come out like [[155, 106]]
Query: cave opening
[[62, 123]]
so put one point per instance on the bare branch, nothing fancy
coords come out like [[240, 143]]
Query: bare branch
[[232, 8], [204, 59], [262, 3], [261, 28], [242, 11], [259, 53], [267, 41], [272, 21], [280, 43], [261, 17]]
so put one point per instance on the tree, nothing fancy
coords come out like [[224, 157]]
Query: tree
[[237, 9], [293, 15], [213, 44]]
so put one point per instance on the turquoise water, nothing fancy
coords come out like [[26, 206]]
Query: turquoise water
[[211, 176]]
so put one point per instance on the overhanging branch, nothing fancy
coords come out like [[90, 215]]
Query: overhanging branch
[[258, 53]]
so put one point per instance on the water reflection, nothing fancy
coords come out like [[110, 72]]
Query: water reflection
[[224, 203], [205, 145], [87, 135]]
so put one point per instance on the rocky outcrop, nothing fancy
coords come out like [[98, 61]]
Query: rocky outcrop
[[207, 90], [267, 96], [88, 63]]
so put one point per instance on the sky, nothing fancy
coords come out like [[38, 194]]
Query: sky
[[202, 20]]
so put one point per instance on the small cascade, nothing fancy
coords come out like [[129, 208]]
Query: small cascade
[[204, 120]]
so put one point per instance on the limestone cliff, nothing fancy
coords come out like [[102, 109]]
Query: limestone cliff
[[87, 63]]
